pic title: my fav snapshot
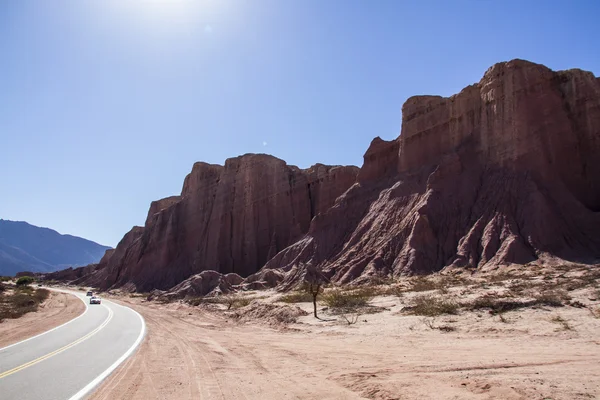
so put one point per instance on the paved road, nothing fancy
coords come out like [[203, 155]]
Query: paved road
[[69, 361]]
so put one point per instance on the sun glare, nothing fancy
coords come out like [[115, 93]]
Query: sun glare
[[155, 14]]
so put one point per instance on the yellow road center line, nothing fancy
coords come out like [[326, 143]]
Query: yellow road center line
[[55, 352]]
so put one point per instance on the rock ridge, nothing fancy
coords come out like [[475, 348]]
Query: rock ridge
[[503, 172]]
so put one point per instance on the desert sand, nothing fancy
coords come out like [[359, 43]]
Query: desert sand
[[208, 352], [58, 309]]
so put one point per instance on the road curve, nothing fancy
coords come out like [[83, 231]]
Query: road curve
[[67, 362]]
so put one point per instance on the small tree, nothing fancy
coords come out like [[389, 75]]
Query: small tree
[[25, 280], [314, 289], [314, 281]]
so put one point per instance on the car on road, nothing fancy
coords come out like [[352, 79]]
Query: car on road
[[90, 293], [95, 300]]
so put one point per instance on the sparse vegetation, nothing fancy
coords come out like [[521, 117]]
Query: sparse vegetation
[[423, 284], [381, 281], [297, 297], [5, 278], [430, 323], [231, 301], [141, 294], [552, 298], [432, 306], [236, 302], [341, 299], [352, 319], [25, 280], [21, 301], [500, 277], [393, 290], [563, 322], [497, 305]]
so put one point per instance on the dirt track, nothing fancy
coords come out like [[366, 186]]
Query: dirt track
[[58, 309], [194, 354]]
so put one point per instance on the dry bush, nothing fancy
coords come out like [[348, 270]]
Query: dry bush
[[422, 284], [500, 277], [21, 301], [297, 297], [393, 290], [446, 328], [381, 281], [338, 298], [238, 302], [432, 306], [552, 298], [352, 319], [565, 324], [231, 301], [430, 323], [518, 287], [41, 295], [140, 294], [3, 287], [495, 305]]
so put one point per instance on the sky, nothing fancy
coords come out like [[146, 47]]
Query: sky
[[105, 105]]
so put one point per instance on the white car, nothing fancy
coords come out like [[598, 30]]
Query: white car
[[95, 300]]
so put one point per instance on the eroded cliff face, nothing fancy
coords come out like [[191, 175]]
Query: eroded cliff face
[[506, 171], [230, 219]]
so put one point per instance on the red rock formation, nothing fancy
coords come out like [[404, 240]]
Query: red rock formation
[[229, 219], [506, 171]]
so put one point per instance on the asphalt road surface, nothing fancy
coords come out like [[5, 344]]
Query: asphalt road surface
[[69, 361]]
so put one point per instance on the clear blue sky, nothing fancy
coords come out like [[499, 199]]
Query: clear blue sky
[[105, 105]]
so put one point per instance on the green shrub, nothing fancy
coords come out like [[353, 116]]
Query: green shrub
[[5, 278], [25, 280]]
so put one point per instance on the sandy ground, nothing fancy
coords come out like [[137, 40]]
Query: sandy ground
[[58, 309], [198, 353]]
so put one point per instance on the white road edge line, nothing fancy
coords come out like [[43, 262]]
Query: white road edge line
[[88, 388], [53, 329]]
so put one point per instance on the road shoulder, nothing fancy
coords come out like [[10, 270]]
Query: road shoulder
[[57, 310]]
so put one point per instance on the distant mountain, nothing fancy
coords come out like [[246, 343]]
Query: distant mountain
[[28, 247]]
